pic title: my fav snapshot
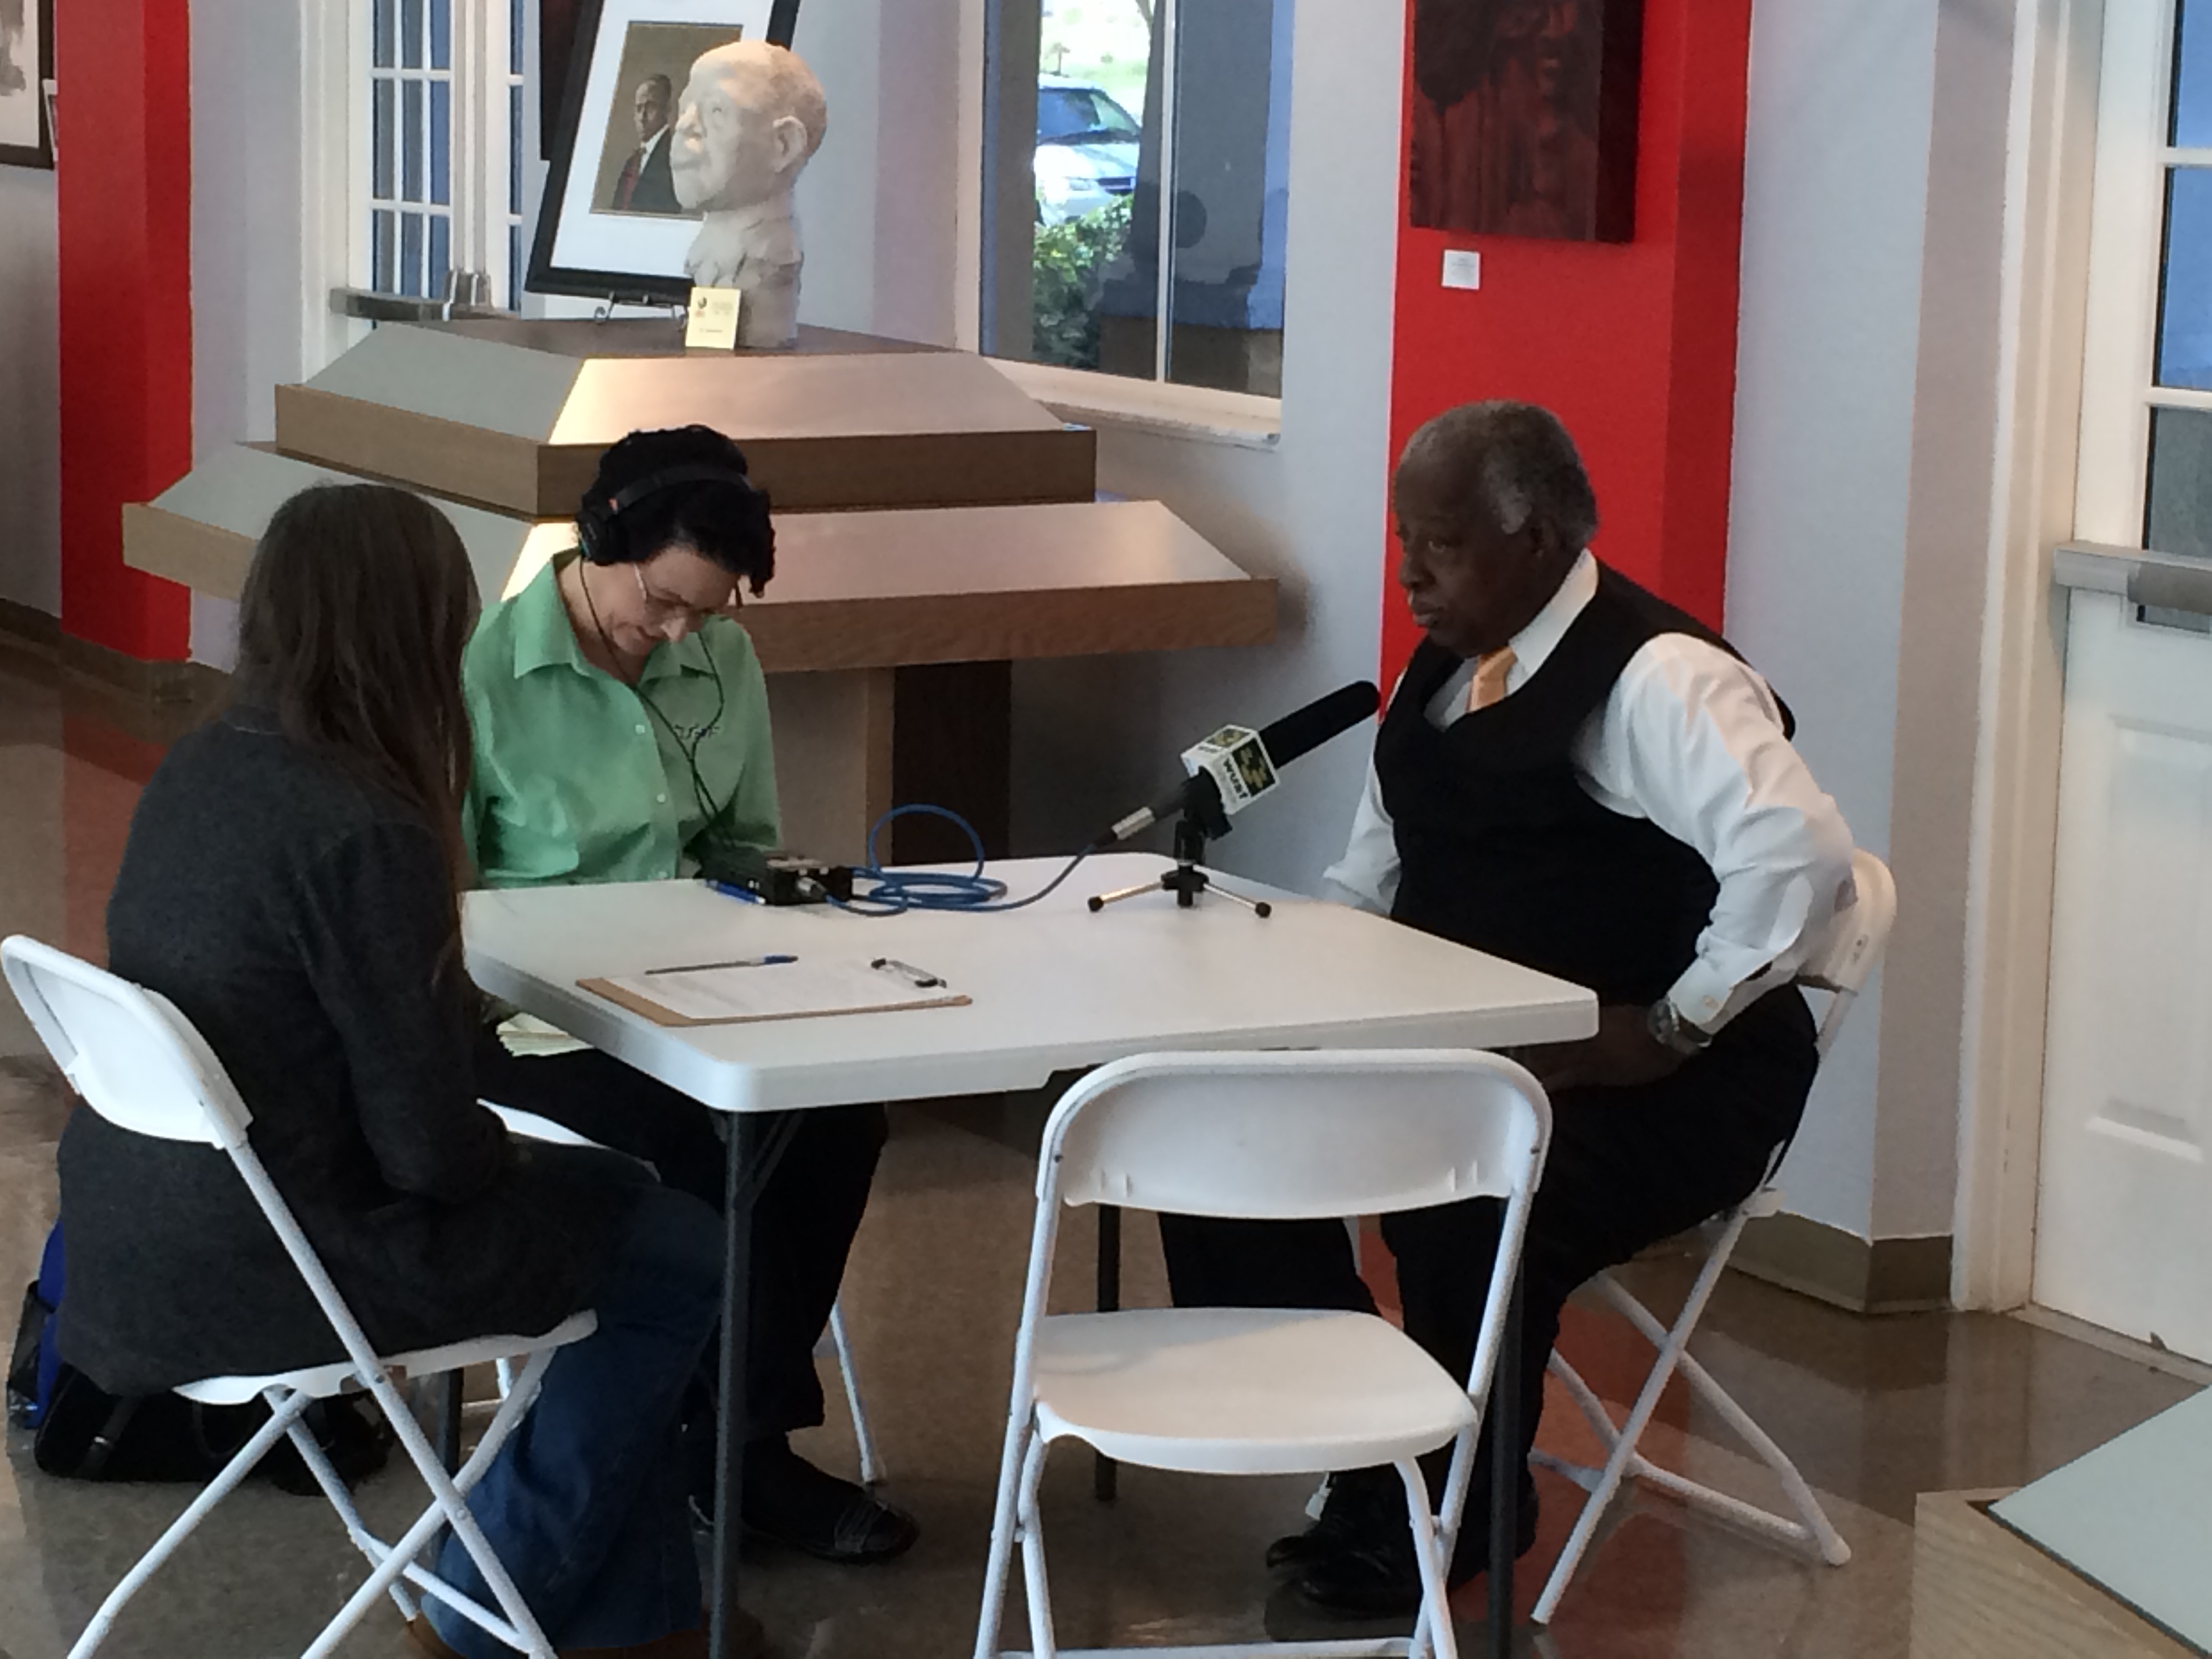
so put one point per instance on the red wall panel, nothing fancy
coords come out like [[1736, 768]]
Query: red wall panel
[[123, 148], [1631, 344]]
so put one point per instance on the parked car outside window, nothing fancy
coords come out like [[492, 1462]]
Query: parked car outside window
[[1087, 149]]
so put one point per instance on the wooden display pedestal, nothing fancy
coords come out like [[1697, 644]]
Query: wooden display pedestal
[[1981, 1591], [933, 527], [512, 414]]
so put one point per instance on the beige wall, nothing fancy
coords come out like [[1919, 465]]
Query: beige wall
[[1865, 429], [1939, 675], [30, 438]]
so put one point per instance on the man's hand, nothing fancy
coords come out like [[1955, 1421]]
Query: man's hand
[[1622, 1055]]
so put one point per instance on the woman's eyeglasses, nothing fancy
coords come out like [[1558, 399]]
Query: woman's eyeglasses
[[659, 609]]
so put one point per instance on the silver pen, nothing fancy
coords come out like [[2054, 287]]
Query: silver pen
[[922, 979]]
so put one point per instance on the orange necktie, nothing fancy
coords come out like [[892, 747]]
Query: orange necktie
[[1490, 671]]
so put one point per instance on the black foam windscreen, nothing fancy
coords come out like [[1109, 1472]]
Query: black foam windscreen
[[1307, 728]]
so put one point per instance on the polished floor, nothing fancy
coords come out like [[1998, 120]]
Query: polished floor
[[1875, 1411]]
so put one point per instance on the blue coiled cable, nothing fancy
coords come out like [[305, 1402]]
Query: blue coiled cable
[[893, 892]]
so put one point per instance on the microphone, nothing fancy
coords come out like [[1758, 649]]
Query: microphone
[[1235, 766]]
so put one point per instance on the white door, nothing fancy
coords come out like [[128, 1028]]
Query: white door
[[2123, 1228], [2124, 1220]]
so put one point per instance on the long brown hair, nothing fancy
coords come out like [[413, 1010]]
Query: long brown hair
[[350, 630]]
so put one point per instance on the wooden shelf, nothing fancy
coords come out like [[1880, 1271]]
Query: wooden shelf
[[864, 590], [473, 411], [653, 336], [853, 590]]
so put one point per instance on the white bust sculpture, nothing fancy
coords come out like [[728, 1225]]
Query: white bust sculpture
[[752, 116]]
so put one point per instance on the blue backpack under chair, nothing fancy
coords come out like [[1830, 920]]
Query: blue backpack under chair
[[34, 1363]]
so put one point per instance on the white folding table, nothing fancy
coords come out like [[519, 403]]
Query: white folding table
[[1053, 988]]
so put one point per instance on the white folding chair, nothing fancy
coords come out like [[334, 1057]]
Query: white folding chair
[[1852, 953], [141, 1065], [532, 1127], [1277, 1136]]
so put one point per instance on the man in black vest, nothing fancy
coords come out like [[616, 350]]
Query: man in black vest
[[1576, 775]]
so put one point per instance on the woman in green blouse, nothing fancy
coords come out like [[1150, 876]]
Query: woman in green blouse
[[622, 733]]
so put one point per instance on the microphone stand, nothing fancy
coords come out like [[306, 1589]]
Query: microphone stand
[[1186, 880]]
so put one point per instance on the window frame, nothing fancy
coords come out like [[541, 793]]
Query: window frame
[[487, 180], [2127, 250], [1248, 420]]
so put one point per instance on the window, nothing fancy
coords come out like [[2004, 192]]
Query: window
[[1089, 104], [2177, 482], [444, 184], [517, 51], [411, 105]]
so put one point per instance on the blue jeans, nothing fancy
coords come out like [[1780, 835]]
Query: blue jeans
[[585, 1504]]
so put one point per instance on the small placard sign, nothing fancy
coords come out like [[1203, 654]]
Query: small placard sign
[[712, 323]]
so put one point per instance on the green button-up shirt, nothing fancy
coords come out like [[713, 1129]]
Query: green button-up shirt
[[578, 779]]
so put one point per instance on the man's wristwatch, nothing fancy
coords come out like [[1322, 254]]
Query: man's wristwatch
[[1671, 1031]]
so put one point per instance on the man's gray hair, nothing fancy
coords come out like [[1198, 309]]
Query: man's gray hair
[[1516, 462]]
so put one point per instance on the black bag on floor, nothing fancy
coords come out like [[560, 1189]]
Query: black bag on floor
[[89, 1434], [86, 1433]]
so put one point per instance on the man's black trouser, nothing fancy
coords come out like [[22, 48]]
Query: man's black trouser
[[804, 1220], [1627, 1168]]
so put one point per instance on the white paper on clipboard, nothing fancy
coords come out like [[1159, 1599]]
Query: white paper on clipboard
[[786, 990]]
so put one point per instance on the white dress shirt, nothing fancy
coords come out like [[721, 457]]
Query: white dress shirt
[[1691, 740]]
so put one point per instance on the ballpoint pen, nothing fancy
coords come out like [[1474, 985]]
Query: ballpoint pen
[[922, 980], [741, 961]]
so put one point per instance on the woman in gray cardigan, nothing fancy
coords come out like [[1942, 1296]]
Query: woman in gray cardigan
[[291, 883]]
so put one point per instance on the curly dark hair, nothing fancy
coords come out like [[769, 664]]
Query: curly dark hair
[[724, 520]]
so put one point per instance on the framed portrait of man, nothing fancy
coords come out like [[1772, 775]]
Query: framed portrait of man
[[610, 224], [1524, 124], [27, 65]]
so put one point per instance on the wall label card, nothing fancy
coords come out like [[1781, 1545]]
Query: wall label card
[[712, 321]]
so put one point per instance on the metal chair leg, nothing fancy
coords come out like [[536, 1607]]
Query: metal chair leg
[[220, 1487], [1436, 1616], [872, 1467], [1623, 1460], [1005, 1527], [1035, 1585], [334, 1489]]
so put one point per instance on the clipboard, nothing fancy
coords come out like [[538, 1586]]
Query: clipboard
[[745, 995]]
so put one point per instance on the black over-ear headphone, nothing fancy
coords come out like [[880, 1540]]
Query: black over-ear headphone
[[596, 535]]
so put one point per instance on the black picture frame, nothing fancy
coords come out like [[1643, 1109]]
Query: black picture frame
[[40, 14], [545, 277]]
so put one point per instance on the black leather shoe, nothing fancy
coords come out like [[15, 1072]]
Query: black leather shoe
[[1361, 1503], [1374, 1577], [788, 1501]]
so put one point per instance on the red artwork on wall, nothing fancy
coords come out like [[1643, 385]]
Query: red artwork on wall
[[1524, 124], [1632, 344]]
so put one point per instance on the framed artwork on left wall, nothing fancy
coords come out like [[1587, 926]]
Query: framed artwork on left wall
[[26, 64]]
